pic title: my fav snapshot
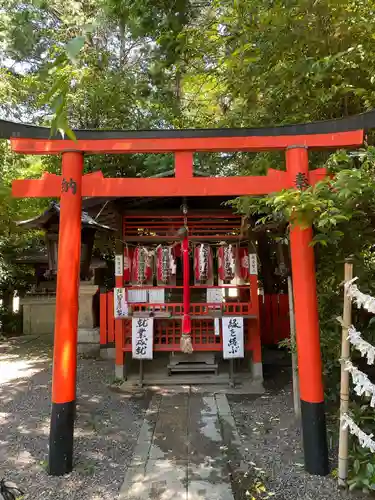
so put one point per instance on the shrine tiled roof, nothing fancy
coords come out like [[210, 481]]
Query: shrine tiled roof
[[40, 221]]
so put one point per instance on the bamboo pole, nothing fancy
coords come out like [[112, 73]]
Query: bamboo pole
[[296, 397], [285, 269], [344, 387]]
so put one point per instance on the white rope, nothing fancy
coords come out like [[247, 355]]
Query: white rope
[[361, 299], [364, 347], [364, 439], [362, 384]]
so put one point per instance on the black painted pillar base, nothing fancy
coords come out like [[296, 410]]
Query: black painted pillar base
[[314, 438], [61, 439]]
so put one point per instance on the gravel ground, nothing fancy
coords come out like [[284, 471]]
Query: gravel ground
[[106, 429], [272, 447]]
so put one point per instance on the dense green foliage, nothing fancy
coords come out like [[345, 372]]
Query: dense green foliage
[[201, 63]]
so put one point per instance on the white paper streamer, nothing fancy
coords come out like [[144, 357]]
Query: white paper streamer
[[364, 439], [360, 299], [364, 347], [362, 384]]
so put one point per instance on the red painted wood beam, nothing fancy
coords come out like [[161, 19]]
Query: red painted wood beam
[[183, 164], [162, 145], [49, 186], [97, 185]]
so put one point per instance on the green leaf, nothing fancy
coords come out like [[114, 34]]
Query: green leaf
[[74, 46], [69, 132]]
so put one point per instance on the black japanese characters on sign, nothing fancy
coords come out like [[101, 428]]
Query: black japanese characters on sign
[[233, 340], [142, 338], [69, 185], [233, 346], [120, 304]]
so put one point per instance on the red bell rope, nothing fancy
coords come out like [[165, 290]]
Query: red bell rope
[[186, 344]]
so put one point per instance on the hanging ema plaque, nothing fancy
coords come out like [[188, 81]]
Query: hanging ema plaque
[[233, 341], [142, 338]]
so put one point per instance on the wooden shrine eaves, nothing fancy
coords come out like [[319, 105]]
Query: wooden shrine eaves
[[363, 121]]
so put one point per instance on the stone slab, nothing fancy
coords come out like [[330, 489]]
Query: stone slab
[[222, 404], [158, 480], [204, 490], [170, 438], [181, 453], [205, 439], [202, 405]]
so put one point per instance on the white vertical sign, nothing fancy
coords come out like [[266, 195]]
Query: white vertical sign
[[119, 265], [217, 327], [142, 338], [233, 339], [120, 304], [253, 263]]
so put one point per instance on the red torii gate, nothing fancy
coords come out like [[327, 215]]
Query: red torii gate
[[72, 185]]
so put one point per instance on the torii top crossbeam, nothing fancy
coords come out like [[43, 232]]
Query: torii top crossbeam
[[330, 134]]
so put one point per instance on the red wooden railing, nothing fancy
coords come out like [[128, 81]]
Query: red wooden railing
[[273, 311]]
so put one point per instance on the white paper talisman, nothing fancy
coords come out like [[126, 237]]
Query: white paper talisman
[[142, 338], [120, 305], [119, 265], [253, 262], [233, 340]]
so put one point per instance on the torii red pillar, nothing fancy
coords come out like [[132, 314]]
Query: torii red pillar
[[66, 324], [307, 330]]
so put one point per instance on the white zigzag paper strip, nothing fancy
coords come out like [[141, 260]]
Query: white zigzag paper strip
[[362, 384], [364, 439], [360, 299], [364, 347]]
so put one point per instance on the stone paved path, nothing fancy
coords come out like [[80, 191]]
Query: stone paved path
[[182, 450]]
